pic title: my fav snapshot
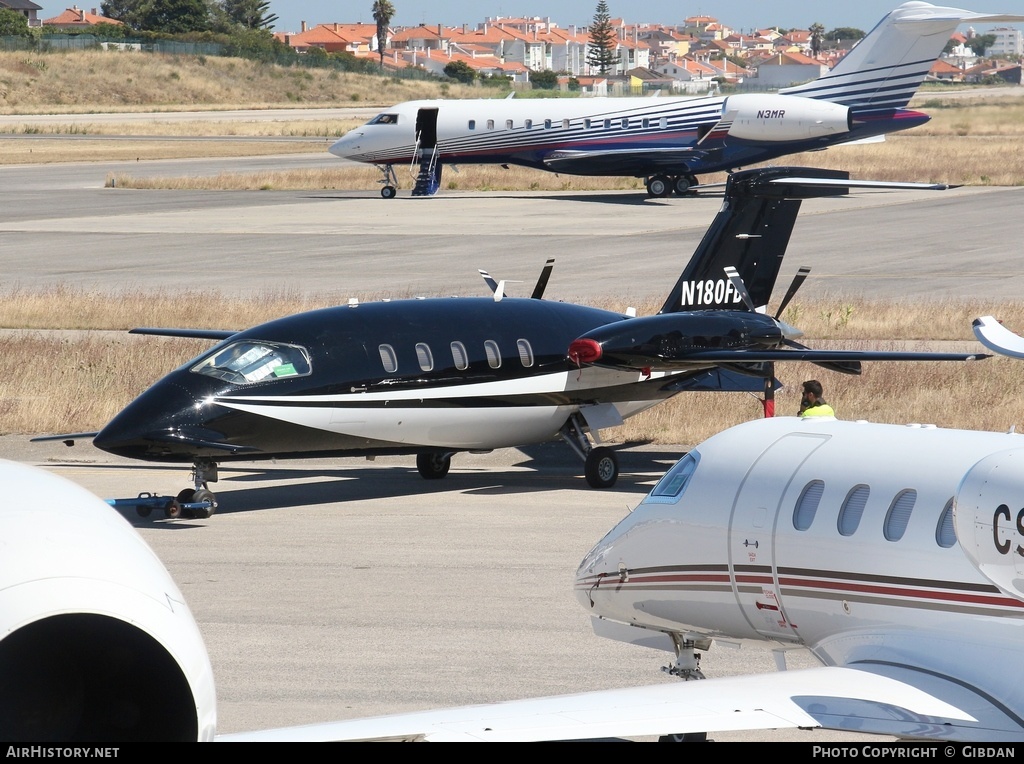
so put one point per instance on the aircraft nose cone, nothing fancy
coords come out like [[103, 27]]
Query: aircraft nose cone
[[345, 145], [144, 426]]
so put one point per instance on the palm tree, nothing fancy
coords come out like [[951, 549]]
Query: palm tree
[[817, 32], [383, 12]]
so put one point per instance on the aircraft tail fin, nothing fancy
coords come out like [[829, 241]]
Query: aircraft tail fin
[[884, 70], [750, 233]]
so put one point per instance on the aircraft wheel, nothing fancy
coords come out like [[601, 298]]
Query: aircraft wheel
[[173, 510], [388, 192], [685, 737], [143, 510], [433, 465], [203, 495], [184, 497], [682, 186], [602, 468], [658, 186]]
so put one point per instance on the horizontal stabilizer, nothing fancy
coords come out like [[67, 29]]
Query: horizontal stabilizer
[[195, 334], [997, 337]]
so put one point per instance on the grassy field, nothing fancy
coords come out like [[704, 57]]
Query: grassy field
[[88, 376]]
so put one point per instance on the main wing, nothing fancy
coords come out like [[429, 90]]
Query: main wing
[[875, 699]]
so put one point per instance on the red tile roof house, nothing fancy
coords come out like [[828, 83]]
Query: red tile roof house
[[75, 18]]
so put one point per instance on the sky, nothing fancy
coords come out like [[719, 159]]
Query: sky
[[740, 14]]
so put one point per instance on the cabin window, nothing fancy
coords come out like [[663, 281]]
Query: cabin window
[[676, 479], [607, 124], [807, 505], [525, 353], [547, 124], [459, 356], [853, 509], [565, 124], [586, 124], [664, 123], [424, 356], [490, 124], [945, 535], [645, 122], [384, 119], [625, 123], [388, 358], [529, 124], [493, 354], [248, 361], [472, 124], [898, 516], [508, 124]]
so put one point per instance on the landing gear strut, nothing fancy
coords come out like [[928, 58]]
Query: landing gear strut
[[600, 465], [389, 183]]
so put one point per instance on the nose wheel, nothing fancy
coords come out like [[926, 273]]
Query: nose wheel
[[433, 465], [389, 183]]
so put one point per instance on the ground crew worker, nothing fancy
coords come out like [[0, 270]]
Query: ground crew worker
[[812, 403]]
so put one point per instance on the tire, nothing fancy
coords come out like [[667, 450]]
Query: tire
[[173, 510], [682, 186], [388, 192], [143, 510], [601, 468], [658, 186], [203, 495], [433, 465]]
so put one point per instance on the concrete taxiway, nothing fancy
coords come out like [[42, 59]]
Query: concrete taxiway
[[59, 225]]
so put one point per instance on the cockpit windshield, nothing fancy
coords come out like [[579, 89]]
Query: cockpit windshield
[[671, 487], [248, 361], [384, 119]]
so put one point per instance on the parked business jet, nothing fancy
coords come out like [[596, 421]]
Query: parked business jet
[[891, 553], [435, 377], [669, 141]]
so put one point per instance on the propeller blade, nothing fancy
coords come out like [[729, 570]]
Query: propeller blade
[[740, 287], [542, 282], [798, 280]]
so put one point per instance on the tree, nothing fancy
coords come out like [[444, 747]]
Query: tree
[[127, 11], [544, 79], [176, 16], [13, 24], [849, 35], [461, 71], [601, 53], [980, 42], [251, 14], [817, 32], [383, 12]]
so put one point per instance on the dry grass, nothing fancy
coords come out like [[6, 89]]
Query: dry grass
[[48, 151], [89, 81], [79, 380]]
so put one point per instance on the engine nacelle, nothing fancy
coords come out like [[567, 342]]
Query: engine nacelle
[[771, 117], [97, 642], [988, 517]]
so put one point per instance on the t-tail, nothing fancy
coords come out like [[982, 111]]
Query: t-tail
[[884, 70], [750, 233]]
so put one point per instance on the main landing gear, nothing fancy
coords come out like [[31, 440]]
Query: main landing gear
[[663, 185], [389, 183], [600, 464]]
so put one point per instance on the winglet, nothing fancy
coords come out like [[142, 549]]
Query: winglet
[[993, 335]]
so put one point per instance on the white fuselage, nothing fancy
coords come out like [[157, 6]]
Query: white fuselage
[[840, 537]]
